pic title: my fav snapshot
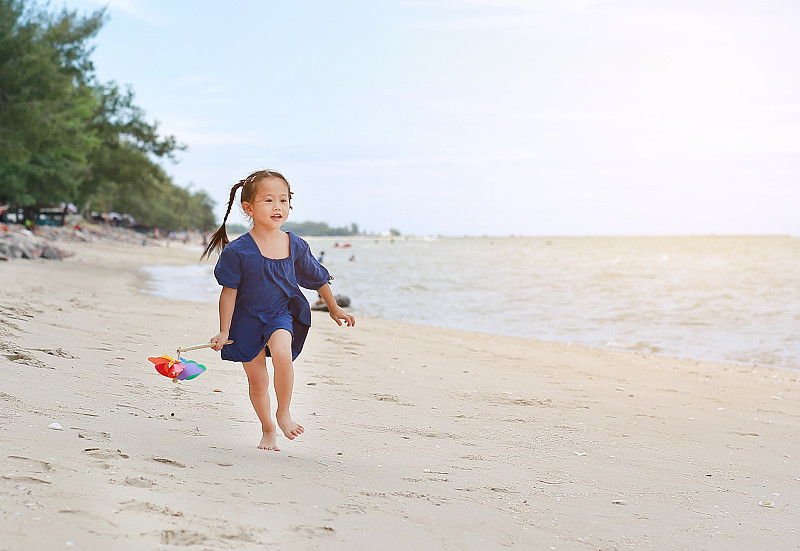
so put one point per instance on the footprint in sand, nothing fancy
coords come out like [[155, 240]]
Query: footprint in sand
[[21, 355], [8, 324], [19, 312], [139, 482], [391, 398], [98, 453], [60, 352], [315, 531], [169, 462], [93, 436], [35, 470], [42, 466], [146, 506], [182, 537]]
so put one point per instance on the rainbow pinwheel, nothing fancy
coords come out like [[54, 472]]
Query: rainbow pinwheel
[[180, 369]]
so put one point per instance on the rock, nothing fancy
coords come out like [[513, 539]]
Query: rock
[[51, 253], [341, 300], [18, 242], [26, 252]]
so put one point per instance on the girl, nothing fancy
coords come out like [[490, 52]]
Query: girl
[[261, 307]]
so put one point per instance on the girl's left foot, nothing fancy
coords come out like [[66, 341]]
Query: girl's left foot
[[290, 429]]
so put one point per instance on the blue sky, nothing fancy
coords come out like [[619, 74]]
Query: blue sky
[[479, 117]]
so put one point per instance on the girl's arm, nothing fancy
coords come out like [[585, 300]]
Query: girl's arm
[[227, 300], [334, 309]]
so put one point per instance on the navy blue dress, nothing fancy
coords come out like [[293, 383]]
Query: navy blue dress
[[268, 297]]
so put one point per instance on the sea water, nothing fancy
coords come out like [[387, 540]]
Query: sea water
[[733, 299]]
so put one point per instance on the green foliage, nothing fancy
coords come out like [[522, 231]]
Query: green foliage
[[45, 103], [160, 204], [66, 138], [319, 228], [236, 229], [301, 228]]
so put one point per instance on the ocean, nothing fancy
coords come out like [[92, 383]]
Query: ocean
[[733, 299]]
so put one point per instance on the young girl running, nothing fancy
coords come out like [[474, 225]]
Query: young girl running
[[261, 307]]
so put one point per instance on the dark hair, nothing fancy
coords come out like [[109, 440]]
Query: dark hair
[[249, 187]]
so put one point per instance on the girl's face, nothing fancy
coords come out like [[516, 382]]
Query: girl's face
[[270, 205]]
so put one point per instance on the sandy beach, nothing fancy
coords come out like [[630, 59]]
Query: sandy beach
[[416, 437]]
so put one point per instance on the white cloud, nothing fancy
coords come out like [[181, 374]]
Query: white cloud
[[142, 10]]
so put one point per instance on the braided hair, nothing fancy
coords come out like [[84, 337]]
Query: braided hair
[[249, 187]]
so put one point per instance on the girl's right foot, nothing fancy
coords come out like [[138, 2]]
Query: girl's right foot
[[269, 441]]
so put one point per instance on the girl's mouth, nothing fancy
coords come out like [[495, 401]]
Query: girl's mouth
[[277, 216]]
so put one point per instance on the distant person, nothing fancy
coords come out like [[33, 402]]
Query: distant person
[[321, 256], [261, 307]]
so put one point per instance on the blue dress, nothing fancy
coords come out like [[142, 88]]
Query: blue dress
[[268, 297]]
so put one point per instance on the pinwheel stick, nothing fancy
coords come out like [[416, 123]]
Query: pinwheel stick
[[198, 346]]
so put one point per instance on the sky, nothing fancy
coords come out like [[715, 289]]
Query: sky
[[478, 117]]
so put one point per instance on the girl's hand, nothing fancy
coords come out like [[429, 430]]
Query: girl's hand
[[219, 340], [340, 316]]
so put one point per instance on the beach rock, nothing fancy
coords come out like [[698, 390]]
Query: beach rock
[[341, 300], [51, 253], [17, 242], [24, 250]]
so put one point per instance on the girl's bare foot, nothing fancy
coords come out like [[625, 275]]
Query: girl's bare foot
[[290, 429], [269, 441]]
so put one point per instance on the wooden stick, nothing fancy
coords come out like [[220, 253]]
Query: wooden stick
[[198, 346]]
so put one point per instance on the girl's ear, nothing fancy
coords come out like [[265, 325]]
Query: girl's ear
[[248, 208]]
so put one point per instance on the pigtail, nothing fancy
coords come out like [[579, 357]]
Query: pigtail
[[219, 239]]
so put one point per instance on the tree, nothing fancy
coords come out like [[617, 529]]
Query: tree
[[45, 102], [318, 228], [66, 138], [121, 164]]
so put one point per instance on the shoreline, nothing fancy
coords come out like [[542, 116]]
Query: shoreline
[[167, 291], [148, 279], [417, 435]]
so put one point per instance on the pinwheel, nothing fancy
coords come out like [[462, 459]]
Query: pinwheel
[[180, 369]]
